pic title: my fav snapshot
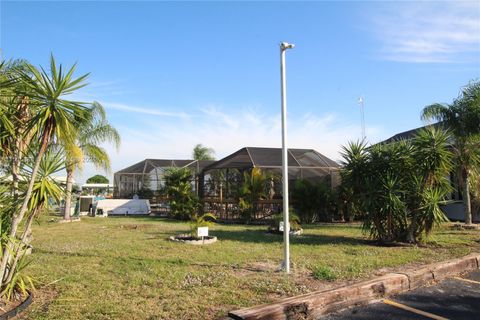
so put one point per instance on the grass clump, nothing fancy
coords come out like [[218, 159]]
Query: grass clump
[[324, 273]]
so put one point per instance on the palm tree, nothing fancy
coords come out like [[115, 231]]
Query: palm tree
[[462, 117], [475, 187], [54, 120], [93, 131], [252, 190], [203, 153], [178, 187], [45, 188], [14, 114], [6, 86], [399, 187]]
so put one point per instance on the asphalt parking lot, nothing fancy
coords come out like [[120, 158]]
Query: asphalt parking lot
[[455, 298]]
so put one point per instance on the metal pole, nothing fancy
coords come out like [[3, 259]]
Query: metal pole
[[286, 225]]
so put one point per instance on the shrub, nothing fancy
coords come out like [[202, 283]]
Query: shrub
[[399, 187], [314, 201], [145, 193], [179, 189], [324, 273], [292, 217], [197, 221]]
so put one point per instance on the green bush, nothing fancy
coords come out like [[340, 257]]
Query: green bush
[[145, 193], [178, 187], [197, 221], [324, 273], [292, 217], [399, 187], [314, 201], [253, 188]]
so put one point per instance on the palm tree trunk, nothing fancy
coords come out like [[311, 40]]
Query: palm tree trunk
[[466, 197], [15, 175], [21, 142], [17, 155], [23, 240], [411, 236], [68, 193], [19, 217]]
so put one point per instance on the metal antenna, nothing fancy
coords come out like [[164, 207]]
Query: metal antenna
[[361, 102]]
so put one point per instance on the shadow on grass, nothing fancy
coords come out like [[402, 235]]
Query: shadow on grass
[[144, 218], [261, 236], [65, 253]]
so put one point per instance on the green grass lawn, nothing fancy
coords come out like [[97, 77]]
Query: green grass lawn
[[125, 268]]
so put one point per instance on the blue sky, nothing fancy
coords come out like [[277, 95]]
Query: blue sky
[[173, 74]]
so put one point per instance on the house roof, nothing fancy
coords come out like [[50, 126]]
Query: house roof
[[148, 165], [250, 157], [407, 135]]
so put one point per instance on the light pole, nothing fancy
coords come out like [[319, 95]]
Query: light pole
[[286, 223]]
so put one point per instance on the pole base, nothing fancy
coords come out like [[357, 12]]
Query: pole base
[[282, 267]]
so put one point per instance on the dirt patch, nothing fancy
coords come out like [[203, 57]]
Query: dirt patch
[[463, 226], [6, 306], [265, 266], [42, 299]]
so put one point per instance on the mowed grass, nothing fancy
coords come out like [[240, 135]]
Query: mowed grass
[[125, 268]]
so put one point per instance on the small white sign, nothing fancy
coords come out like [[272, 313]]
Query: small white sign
[[202, 232], [281, 226]]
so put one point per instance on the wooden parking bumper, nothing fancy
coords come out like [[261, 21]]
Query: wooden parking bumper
[[314, 304]]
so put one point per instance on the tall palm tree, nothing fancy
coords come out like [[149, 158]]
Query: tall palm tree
[[94, 130], [54, 120], [462, 118], [203, 153]]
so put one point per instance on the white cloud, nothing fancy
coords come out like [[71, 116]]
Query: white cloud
[[143, 110], [226, 132], [439, 32]]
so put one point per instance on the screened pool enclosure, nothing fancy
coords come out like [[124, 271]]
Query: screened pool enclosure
[[146, 177], [224, 180], [222, 185]]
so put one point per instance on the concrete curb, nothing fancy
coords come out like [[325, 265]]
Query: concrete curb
[[314, 304]]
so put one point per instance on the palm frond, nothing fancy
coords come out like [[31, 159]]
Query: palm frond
[[436, 111]]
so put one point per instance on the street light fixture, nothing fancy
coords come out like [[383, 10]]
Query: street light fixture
[[286, 223]]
